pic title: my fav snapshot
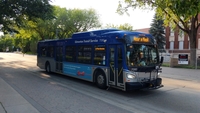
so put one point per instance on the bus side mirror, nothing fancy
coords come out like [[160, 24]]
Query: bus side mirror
[[161, 60]]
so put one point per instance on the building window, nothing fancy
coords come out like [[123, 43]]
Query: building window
[[189, 45], [180, 45], [181, 33], [164, 30], [171, 32], [171, 45], [198, 43]]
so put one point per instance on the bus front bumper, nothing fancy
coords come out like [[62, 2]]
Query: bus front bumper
[[154, 84]]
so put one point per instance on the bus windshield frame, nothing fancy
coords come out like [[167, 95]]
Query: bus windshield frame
[[141, 55]]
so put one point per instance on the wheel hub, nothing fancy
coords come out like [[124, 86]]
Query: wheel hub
[[100, 79]]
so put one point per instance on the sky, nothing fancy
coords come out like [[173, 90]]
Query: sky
[[107, 12]]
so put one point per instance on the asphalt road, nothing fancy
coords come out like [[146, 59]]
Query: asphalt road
[[54, 93]]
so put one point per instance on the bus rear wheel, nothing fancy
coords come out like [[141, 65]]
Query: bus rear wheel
[[101, 80], [48, 67]]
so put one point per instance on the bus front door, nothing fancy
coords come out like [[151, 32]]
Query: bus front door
[[116, 77], [59, 59]]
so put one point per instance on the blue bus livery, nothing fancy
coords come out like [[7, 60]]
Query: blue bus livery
[[110, 58]]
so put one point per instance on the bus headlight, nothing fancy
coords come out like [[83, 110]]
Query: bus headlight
[[130, 76], [158, 75]]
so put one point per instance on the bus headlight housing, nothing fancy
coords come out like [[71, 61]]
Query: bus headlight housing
[[130, 75], [158, 75]]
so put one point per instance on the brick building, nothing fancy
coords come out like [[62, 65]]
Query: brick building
[[144, 30], [177, 41]]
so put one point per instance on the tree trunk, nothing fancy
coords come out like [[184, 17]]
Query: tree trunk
[[192, 36]]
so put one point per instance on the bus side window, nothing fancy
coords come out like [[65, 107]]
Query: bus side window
[[100, 55], [43, 51], [70, 53], [50, 51], [84, 54]]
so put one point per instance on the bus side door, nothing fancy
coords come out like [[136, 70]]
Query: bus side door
[[59, 59], [116, 77]]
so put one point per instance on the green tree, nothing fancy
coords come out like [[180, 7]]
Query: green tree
[[25, 38], [15, 11], [6, 42], [33, 45], [65, 23], [45, 29], [22, 43], [111, 26], [157, 31], [125, 26], [176, 13], [69, 21]]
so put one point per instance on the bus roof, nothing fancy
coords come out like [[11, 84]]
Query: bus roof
[[107, 32], [104, 33], [121, 33], [92, 33]]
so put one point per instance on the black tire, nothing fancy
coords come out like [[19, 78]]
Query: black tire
[[100, 80], [48, 67]]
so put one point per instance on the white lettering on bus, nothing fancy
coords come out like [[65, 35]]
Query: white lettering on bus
[[94, 40], [86, 41], [103, 40], [80, 41]]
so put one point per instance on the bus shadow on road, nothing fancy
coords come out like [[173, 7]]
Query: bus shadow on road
[[135, 93], [67, 79]]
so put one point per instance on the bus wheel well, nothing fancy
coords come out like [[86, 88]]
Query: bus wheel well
[[95, 72], [47, 67], [100, 78]]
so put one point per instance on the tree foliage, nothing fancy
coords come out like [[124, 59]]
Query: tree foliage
[[6, 41], [157, 31], [176, 13], [65, 23], [69, 21], [26, 36], [125, 26], [15, 11]]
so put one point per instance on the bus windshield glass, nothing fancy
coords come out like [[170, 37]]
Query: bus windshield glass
[[140, 55]]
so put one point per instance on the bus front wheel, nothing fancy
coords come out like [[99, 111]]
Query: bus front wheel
[[101, 80], [48, 67]]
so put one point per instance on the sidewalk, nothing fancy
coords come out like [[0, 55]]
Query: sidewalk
[[12, 102]]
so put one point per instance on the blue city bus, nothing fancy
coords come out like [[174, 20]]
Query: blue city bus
[[125, 60]]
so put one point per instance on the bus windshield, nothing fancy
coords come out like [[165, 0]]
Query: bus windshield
[[141, 55]]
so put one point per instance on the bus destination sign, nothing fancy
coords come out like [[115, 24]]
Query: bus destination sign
[[141, 39]]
